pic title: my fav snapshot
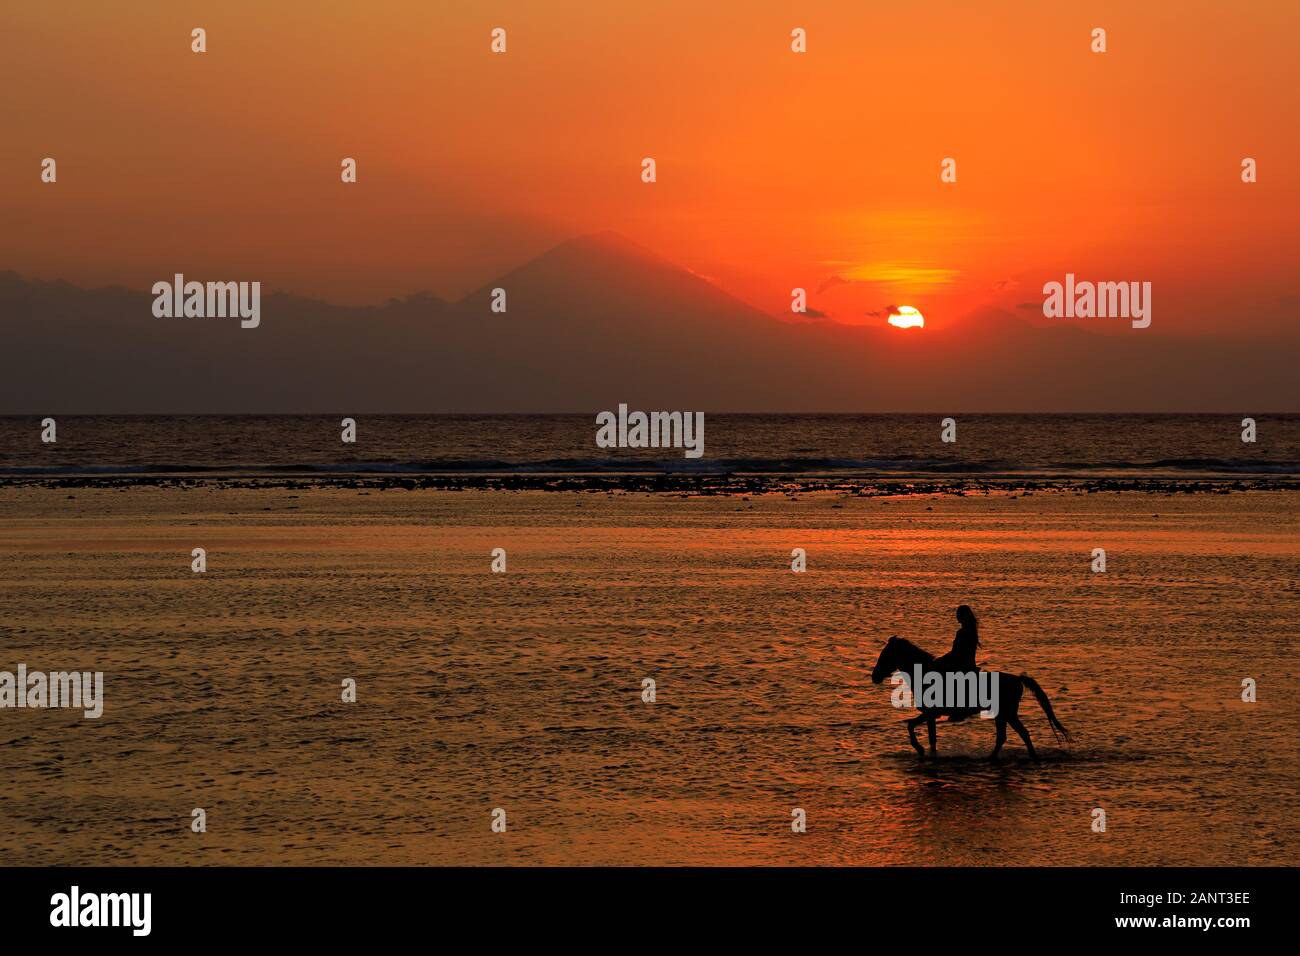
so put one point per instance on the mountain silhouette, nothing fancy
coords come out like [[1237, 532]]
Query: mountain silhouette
[[594, 321]]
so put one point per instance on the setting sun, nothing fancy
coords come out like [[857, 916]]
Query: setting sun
[[906, 317]]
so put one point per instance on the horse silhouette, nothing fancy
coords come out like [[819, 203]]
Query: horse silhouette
[[899, 654]]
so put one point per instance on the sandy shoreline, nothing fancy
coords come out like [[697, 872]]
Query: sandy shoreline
[[523, 690], [675, 483]]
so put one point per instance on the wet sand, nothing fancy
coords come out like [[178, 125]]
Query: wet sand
[[523, 690]]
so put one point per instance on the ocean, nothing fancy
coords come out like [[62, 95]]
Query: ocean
[[524, 691], [904, 444]]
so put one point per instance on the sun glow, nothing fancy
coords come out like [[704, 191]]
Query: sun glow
[[906, 317]]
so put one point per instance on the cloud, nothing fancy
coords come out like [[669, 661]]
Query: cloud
[[832, 282], [882, 313], [912, 275]]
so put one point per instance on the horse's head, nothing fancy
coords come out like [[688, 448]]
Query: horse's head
[[885, 663]]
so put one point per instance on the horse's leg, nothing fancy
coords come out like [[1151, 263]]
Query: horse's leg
[[1001, 738], [1024, 735], [911, 732], [930, 728]]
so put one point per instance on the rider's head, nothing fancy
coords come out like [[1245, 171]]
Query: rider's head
[[966, 617]]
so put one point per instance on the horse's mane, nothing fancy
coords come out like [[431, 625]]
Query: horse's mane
[[925, 655]]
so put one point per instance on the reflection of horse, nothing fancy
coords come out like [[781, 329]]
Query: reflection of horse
[[901, 655]]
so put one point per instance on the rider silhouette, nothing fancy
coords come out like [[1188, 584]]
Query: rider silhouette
[[962, 655]]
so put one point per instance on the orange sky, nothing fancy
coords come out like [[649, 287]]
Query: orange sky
[[775, 169]]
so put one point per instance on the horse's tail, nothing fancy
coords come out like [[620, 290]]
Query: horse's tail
[[1058, 728]]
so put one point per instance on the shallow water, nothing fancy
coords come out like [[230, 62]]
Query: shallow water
[[523, 690]]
